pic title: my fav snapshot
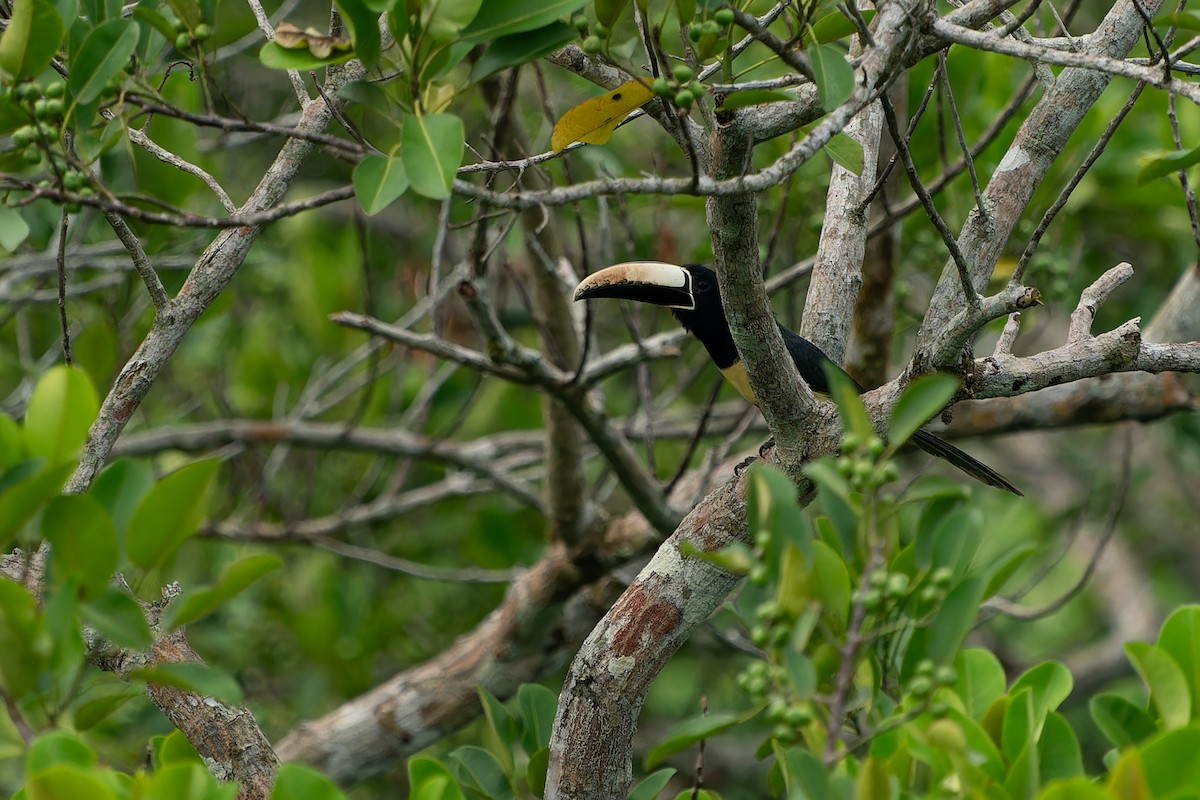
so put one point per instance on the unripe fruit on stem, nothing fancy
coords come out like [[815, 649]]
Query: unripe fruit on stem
[[694, 31], [183, 41], [724, 16], [31, 155], [682, 73], [592, 45], [684, 99], [56, 89], [580, 21], [202, 33], [661, 87], [601, 30]]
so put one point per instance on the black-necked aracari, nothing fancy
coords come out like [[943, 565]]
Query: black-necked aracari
[[691, 292]]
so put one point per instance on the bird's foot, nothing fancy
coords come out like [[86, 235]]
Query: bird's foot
[[744, 465], [767, 446]]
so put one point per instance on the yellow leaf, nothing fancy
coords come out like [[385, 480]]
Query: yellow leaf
[[593, 121]]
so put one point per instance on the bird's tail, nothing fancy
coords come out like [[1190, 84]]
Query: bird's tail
[[976, 469]]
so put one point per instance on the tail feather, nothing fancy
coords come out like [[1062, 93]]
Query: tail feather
[[976, 469]]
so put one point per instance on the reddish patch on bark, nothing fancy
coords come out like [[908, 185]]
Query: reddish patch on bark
[[643, 615]]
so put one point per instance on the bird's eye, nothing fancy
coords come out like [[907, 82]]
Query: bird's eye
[[703, 285]]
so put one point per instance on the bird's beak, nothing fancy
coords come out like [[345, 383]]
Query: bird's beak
[[644, 281]]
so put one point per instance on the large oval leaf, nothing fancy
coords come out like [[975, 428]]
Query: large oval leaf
[[378, 181], [31, 39], [431, 147], [503, 17], [104, 53], [59, 413], [169, 514]]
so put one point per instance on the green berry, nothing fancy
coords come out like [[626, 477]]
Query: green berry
[[798, 715], [850, 442], [920, 686], [757, 685], [684, 98], [661, 87], [44, 184], [73, 181], [762, 539], [784, 734], [759, 635], [896, 586], [179, 25], [580, 21], [203, 32], [888, 473], [28, 91], [183, 41], [871, 600], [56, 89], [759, 575], [945, 675], [31, 155], [930, 596], [878, 579], [87, 191], [777, 710], [711, 27], [697, 88], [23, 136], [925, 667], [694, 31], [938, 710], [592, 45], [875, 446], [942, 576], [724, 16], [601, 30], [682, 73], [54, 108]]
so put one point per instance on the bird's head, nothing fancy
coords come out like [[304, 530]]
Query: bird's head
[[690, 291]]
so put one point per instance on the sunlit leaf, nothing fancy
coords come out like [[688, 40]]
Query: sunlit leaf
[[59, 413], [1167, 164], [300, 782], [431, 147], [169, 514], [688, 733], [1165, 680], [378, 182], [192, 677], [921, 400], [594, 120], [34, 33], [649, 787], [235, 578], [504, 17]]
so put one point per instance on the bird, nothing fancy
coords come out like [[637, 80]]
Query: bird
[[691, 292]]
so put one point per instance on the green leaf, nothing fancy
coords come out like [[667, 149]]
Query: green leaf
[[1167, 164], [1180, 639], [187, 780], [174, 748], [850, 408], [364, 29], [521, 48], [1018, 732], [119, 619], [31, 39], [1169, 763], [120, 487], [98, 709], [824, 473], [234, 579], [688, 733], [833, 75], [478, 770], [378, 181], [831, 584], [955, 619], [1058, 750], [299, 782], [1188, 20], [58, 748], [429, 779], [169, 514], [803, 773], [924, 397], [24, 641], [192, 677], [537, 704], [649, 787], [772, 508], [12, 443], [26, 496], [535, 771], [432, 149], [276, 57], [105, 52], [980, 680], [13, 228], [61, 782], [1074, 789], [444, 19], [502, 723], [1122, 723], [1049, 683], [504, 17], [845, 151], [609, 11], [1165, 680], [834, 26], [59, 413], [83, 541]]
